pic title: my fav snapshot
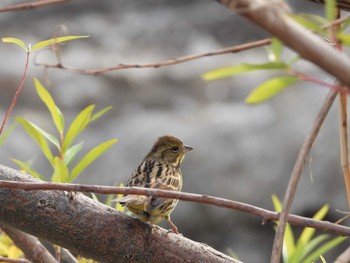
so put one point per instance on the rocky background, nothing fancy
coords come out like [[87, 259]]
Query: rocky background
[[242, 152]]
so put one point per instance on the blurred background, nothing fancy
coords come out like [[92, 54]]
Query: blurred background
[[242, 152]]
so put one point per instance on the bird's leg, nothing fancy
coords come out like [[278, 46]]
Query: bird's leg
[[173, 227]]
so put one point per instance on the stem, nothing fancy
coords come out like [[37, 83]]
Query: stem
[[296, 174], [16, 94]]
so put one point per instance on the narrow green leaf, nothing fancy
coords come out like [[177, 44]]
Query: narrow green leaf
[[47, 135], [90, 157], [344, 38], [270, 88], [323, 249], [15, 41], [100, 113], [28, 169], [311, 22], [305, 249], [275, 51], [331, 9], [71, 153], [61, 173], [50, 104], [288, 239], [94, 197], [7, 133], [308, 232], [38, 138], [77, 126], [323, 259], [242, 68], [345, 24], [54, 41]]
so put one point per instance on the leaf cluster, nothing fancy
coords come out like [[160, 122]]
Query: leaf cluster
[[65, 145]]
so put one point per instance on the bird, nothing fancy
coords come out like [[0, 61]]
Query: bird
[[160, 169]]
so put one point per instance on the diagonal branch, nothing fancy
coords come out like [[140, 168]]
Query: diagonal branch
[[31, 246], [272, 16]]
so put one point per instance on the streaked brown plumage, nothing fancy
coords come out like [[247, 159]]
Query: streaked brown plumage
[[160, 169]]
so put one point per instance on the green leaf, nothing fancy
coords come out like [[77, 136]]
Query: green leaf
[[92, 155], [345, 24], [308, 232], [61, 173], [50, 104], [7, 133], [275, 51], [77, 126], [242, 68], [270, 88], [71, 153], [344, 38], [288, 239], [311, 22], [331, 9], [54, 41], [47, 135], [99, 114], [37, 137], [28, 169], [323, 259], [323, 249], [303, 250], [15, 41], [94, 197]]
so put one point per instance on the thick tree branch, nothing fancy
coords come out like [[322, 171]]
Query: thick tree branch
[[272, 15], [266, 215], [94, 230]]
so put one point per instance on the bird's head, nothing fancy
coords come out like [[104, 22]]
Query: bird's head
[[169, 149]]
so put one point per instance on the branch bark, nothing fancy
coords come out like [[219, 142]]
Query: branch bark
[[94, 230], [31, 246], [273, 17]]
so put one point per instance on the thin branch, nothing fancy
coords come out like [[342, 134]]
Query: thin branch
[[267, 215], [13, 103], [12, 260], [31, 246], [31, 5], [168, 62], [296, 174]]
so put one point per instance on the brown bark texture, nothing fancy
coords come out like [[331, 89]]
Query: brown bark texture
[[94, 230]]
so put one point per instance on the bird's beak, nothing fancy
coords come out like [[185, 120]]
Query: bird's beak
[[187, 148]]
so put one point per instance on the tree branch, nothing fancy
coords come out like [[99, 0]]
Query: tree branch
[[234, 49], [31, 5], [94, 230], [265, 214], [31, 246], [273, 17]]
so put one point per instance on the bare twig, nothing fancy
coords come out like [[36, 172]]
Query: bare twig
[[16, 94], [26, 6], [217, 201], [169, 62], [31, 246], [296, 174]]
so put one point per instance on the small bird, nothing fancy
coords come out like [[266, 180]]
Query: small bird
[[160, 169]]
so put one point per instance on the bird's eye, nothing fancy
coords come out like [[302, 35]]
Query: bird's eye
[[175, 148]]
